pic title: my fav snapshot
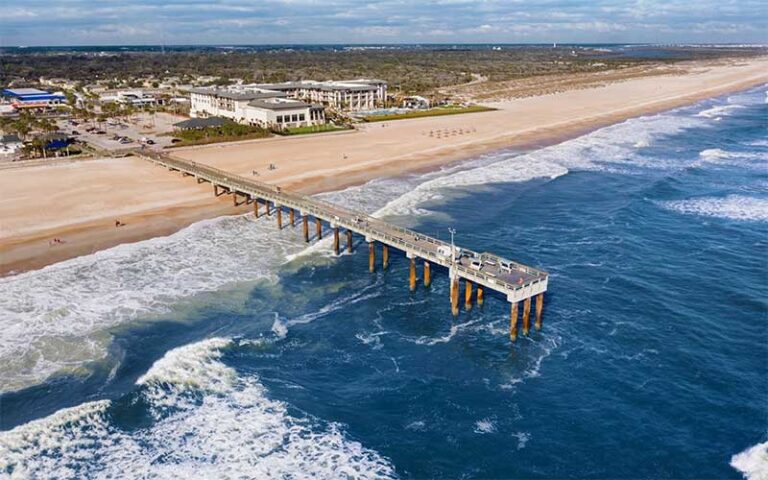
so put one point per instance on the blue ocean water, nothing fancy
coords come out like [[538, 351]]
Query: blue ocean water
[[228, 350]]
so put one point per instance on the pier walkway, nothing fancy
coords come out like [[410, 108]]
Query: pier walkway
[[517, 282]]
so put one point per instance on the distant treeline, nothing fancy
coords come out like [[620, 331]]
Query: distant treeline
[[415, 70]]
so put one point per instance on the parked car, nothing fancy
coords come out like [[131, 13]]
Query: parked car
[[150, 142], [75, 132], [175, 140], [100, 132], [125, 140]]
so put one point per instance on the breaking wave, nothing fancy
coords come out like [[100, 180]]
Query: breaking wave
[[57, 318], [752, 462], [205, 422], [719, 111]]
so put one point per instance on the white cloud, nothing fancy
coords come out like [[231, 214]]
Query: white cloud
[[41, 22]]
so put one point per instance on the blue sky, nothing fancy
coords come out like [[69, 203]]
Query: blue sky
[[113, 22]]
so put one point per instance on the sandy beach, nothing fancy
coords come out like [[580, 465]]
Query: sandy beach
[[80, 202]]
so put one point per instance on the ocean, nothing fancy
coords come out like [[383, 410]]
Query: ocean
[[230, 350]]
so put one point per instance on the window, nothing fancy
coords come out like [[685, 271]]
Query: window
[[279, 119], [294, 118], [301, 117]]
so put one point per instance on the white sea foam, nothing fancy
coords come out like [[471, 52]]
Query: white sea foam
[[208, 423], [484, 426], [749, 159], [279, 328], [719, 111], [59, 317], [732, 207], [752, 462], [455, 328], [522, 439]]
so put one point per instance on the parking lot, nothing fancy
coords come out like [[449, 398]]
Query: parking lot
[[119, 134]]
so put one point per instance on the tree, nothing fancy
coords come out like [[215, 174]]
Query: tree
[[47, 125], [21, 127], [71, 98]]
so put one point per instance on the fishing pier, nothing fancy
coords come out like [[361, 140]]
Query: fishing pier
[[479, 271]]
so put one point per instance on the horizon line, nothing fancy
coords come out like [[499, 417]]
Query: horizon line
[[320, 44]]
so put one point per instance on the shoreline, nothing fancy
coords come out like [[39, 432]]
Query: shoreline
[[172, 203]]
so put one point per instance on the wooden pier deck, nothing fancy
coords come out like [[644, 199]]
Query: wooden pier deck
[[517, 282]]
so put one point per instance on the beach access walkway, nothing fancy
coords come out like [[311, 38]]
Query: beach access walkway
[[517, 282]]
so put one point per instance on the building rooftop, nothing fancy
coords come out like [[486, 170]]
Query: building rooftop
[[328, 86], [12, 138], [278, 104], [243, 93], [193, 123], [19, 92], [32, 94]]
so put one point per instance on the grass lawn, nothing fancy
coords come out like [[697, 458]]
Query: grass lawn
[[218, 139], [432, 112], [312, 129], [229, 132]]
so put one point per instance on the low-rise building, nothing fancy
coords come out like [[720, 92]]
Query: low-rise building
[[416, 102], [137, 98], [10, 145], [33, 98]]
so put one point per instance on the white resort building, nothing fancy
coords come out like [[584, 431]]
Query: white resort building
[[293, 104], [352, 95], [254, 106]]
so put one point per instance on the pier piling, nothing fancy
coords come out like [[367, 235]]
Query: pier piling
[[319, 228], [467, 295], [371, 256], [526, 315], [480, 296], [279, 211], [256, 207], [513, 322], [305, 226], [349, 241], [292, 217], [427, 275], [412, 274], [455, 295], [336, 240], [539, 310], [385, 256]]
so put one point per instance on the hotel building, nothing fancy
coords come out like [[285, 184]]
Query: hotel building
[[292, 104], [254, 106]]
